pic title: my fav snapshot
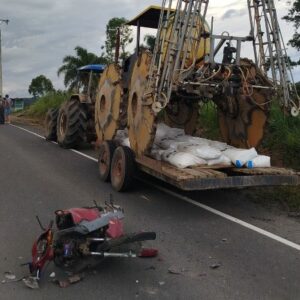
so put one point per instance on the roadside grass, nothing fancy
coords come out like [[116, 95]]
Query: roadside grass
[[41, 106], [283, 137]]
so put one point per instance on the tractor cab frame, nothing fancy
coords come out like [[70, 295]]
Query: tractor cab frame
[[87, 81]]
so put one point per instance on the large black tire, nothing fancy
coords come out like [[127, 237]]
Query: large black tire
[[71, 124], [122, 169], [106, 152], [50, 124]]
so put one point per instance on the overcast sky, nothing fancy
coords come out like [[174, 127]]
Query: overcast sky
[[41, 32]]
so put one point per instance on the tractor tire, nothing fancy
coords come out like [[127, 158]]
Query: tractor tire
[[50, 124], [122, 169], [71, 124], [106, 152]]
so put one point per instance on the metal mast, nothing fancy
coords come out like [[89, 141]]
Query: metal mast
[[269, 44], [170, 54]]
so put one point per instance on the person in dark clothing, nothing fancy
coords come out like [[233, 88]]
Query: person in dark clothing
[[7, 108], [2, 117]]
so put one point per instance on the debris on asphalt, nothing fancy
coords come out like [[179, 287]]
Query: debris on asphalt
[[150, 268], [52, 275], [75, 278], [161, 283], [224, 240], [70, 280], [294, 214], [148, 252], [31, 282], [145, 197], [63, 283], [176, 271], [215, 266], [9, 275], [262, 219], [136, 281]]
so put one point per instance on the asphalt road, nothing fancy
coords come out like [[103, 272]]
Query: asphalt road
[[38, 177]]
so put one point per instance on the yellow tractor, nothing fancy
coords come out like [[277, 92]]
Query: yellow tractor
[[182, 71], [73, 122]]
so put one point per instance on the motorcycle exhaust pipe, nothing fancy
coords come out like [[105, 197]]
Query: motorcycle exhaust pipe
[[112, 254]]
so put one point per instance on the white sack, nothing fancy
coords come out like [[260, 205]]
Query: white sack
[[222, 160], [219, 145], [164, 131], [167, 143], [182, 160], [261, 161], [202, 151], [239, 157], [157, 153], [192, 140]]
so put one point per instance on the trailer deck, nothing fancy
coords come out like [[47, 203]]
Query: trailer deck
[[218, 176]]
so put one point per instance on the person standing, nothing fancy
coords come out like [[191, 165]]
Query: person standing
[[2, 117], [7, 108]]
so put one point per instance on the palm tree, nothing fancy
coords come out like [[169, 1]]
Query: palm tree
[[72, 63]]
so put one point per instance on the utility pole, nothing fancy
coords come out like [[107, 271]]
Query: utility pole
[[1, 83]]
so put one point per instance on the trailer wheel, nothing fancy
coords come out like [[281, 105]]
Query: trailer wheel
[[50, 124], [106, 152], [71, 124], [122, 169]]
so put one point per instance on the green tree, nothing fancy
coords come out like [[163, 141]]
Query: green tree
[[111, 38], [293, 16], [40, 86], [150, 41], [72, 63]]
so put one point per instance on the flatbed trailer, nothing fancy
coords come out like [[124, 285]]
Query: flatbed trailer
[[123, 167], [217, 177]]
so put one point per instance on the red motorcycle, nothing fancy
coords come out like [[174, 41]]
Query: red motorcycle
[[83, 233]]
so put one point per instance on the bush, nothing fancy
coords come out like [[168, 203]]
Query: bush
[[51, 100], [283, 137], [208, 122]]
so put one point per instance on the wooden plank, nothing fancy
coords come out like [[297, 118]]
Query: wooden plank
[[215, 167], [264, 171], [181, 174]]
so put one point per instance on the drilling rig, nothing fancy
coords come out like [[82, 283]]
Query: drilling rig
[[183, 71]]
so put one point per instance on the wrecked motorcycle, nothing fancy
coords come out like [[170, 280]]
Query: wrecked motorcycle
[[83, 233]]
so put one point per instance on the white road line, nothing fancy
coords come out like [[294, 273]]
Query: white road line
[[40, 136], [85, 155], [227, 217], [193, 202]]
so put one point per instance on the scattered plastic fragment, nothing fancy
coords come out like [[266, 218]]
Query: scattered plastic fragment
[[161, 283], [75, 278], [63, 284], [71, 280], [175, 270], [9, 275], [52, 275], [215, 266], [148, 252], [31, 282]]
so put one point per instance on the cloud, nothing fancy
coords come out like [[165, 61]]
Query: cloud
[[231, 13], [42, 32]]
